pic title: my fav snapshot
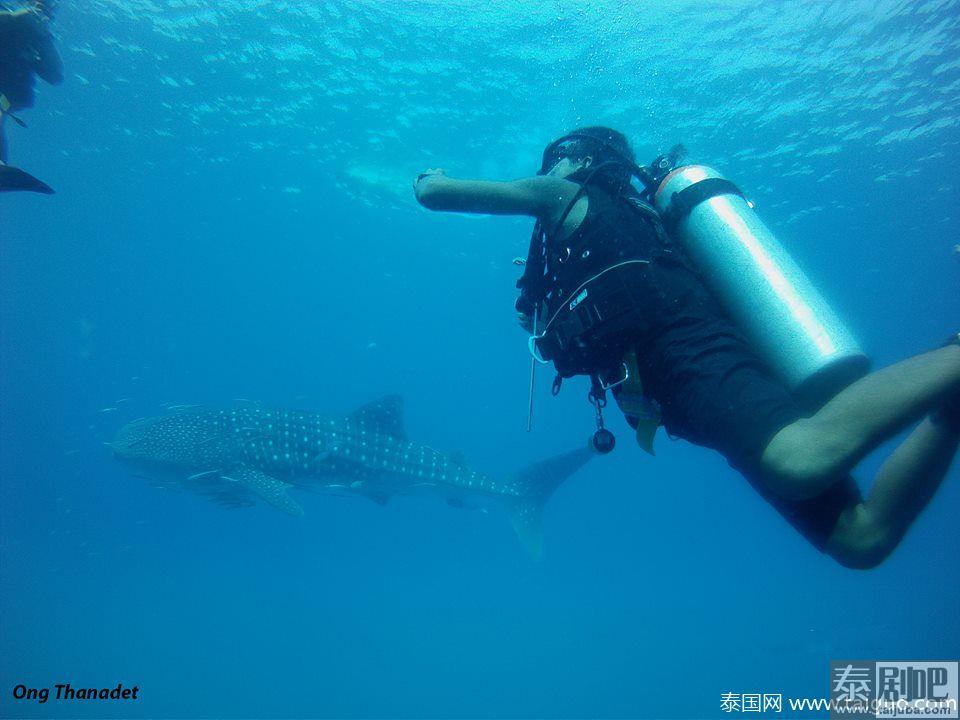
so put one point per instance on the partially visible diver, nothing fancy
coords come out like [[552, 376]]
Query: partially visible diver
[[26, 52], [655, 315]]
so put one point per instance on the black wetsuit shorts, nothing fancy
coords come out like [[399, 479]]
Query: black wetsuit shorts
[[715, 391]]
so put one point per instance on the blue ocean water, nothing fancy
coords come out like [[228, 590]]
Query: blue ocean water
[[234, 219]]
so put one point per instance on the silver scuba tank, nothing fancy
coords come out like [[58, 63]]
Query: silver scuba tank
[[762, 289]]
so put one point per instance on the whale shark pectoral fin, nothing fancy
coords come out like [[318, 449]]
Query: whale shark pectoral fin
[[13, 178], [268, 488]]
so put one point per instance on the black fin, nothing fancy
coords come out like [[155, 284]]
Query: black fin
[[13, 179], [384, 415]]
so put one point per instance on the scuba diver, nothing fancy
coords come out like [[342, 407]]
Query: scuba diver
[[26, 51], [666, 294]]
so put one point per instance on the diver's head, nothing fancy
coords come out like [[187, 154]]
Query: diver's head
[[584, 150]]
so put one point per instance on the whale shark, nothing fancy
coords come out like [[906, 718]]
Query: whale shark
[[236, 456]]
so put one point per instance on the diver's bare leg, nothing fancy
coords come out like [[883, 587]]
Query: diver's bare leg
[[868, 532], [807, 456]]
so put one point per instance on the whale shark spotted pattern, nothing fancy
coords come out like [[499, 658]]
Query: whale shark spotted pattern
[[235, 455]]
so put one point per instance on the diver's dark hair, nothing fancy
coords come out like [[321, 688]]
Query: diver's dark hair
[[609, 147], [612, 145]]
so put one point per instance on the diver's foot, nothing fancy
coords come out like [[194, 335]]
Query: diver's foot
[[14, 179], [948, 414]]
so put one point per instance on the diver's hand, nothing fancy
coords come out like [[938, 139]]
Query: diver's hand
[[423, 179], [428, 173]]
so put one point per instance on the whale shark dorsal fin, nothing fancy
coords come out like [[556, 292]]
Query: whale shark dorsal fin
[[265, 487], [384, 415]]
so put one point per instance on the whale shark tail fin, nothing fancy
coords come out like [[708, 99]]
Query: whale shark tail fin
[[13, 178], [538, 483]]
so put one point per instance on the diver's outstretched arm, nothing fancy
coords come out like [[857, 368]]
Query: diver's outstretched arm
[[540, 196]]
